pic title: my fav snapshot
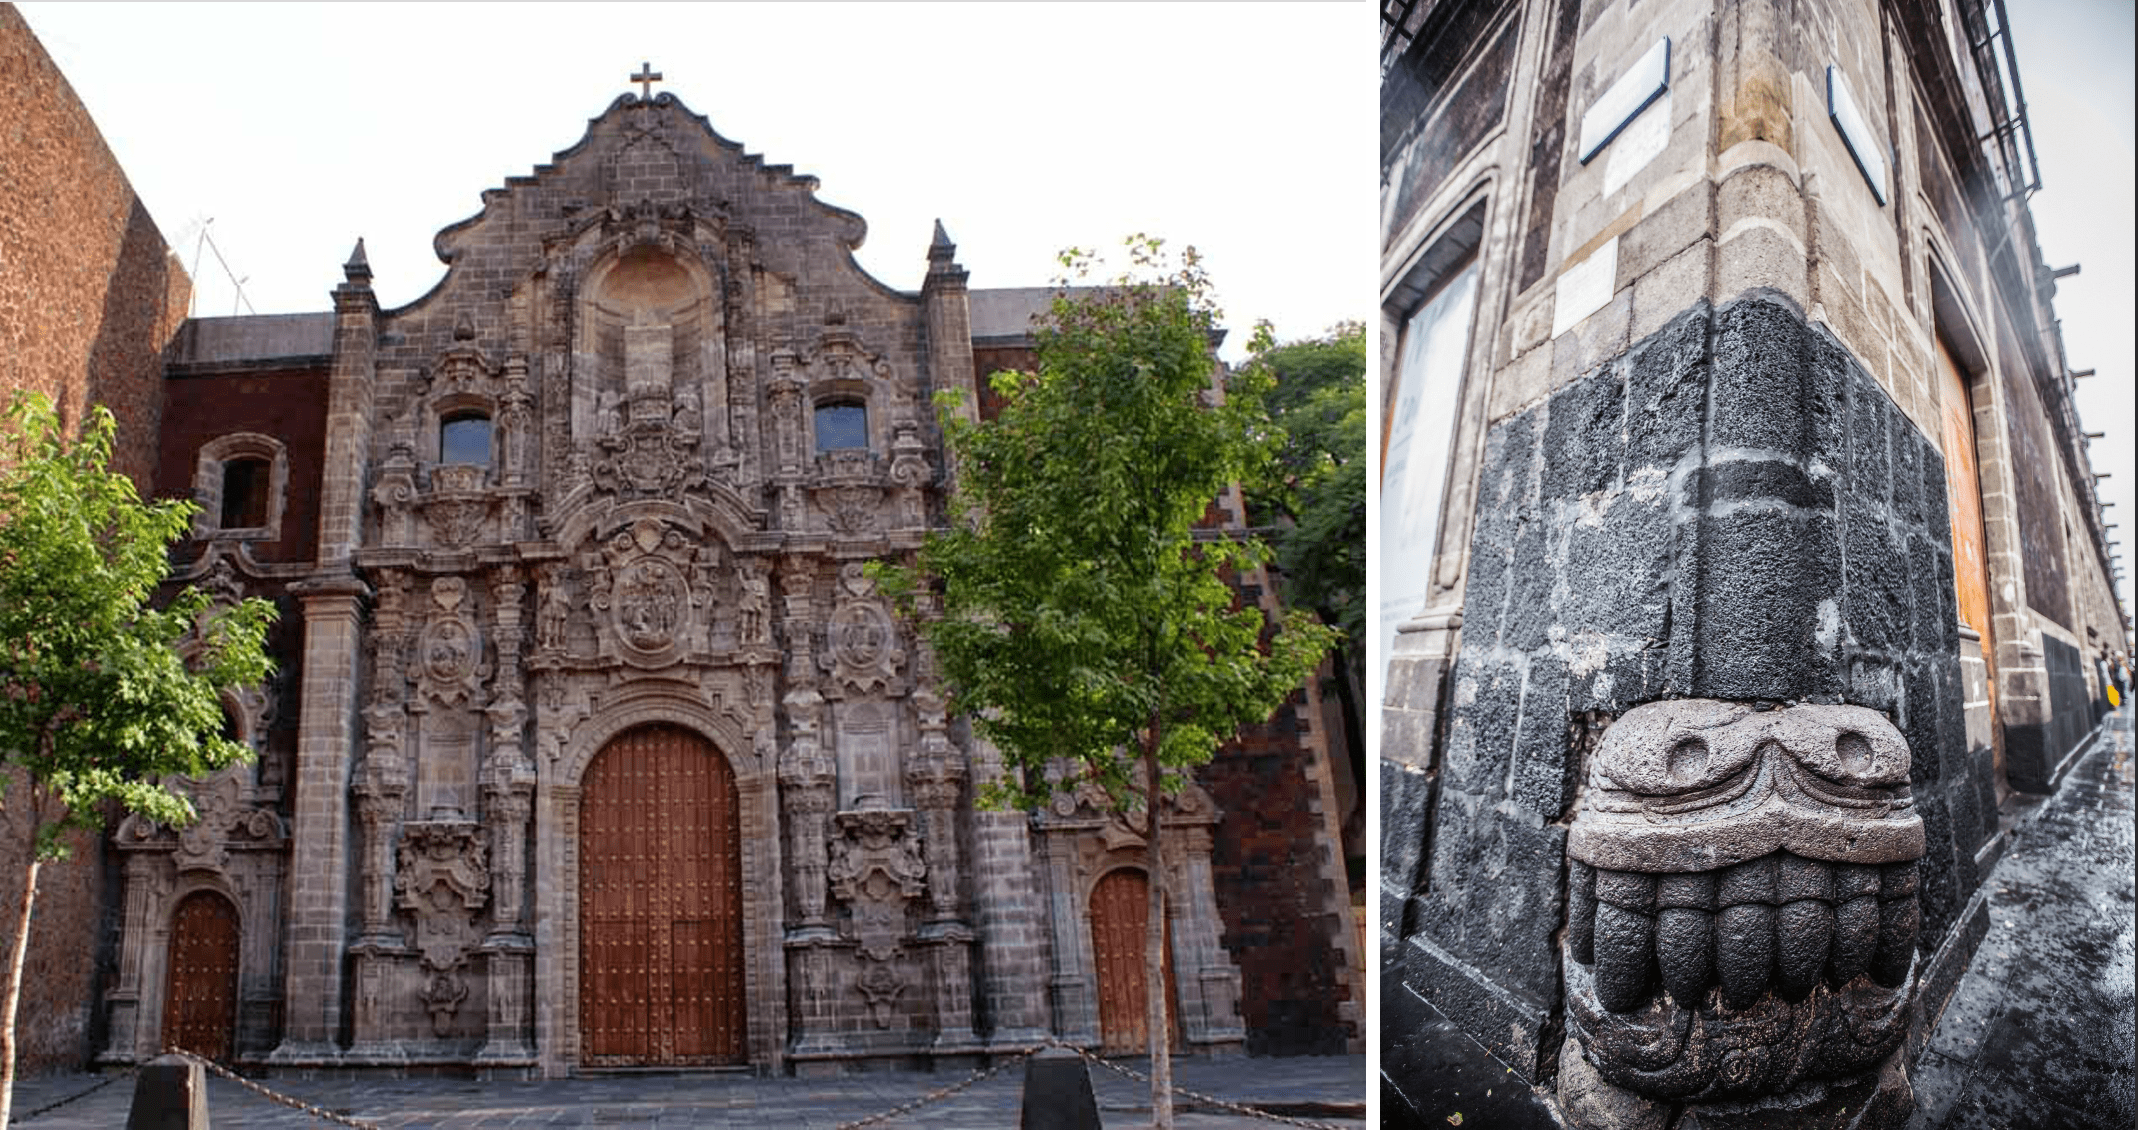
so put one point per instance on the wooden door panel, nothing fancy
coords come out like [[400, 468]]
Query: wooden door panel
[[200, 1004], [1120, 913], [1970, 544], [661, 898]]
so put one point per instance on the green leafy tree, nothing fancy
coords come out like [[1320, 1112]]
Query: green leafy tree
[[1316, 501], [1086, 624], [97, 706]]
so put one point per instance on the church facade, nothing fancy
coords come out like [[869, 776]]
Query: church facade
[[594, 745]]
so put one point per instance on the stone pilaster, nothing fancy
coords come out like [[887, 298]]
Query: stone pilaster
[[318, 906]]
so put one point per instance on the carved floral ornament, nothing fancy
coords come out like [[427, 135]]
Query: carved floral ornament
[[1763, 863]]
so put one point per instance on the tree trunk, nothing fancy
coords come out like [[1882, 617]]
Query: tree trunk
[[18, 950], [1154, 942]]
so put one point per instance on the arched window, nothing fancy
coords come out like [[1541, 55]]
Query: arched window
[[239, 481], [245, 492], [842, 424], [464, 437]]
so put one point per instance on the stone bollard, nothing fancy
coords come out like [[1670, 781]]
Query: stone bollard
[[171, 1094], [1057, 1093]]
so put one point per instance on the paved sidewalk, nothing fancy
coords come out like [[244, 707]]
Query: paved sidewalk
[[2040, 1031], [1307, 1085]]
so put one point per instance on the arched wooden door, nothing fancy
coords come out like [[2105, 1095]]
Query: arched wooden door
[[660, 897], [1120, 912], [200, 996]]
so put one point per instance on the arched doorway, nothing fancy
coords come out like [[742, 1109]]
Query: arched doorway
[[660, 897], [1120, 913], [200, 998]]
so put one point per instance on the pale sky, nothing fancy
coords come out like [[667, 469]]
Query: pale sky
[[1246, 130], [2075, 67]]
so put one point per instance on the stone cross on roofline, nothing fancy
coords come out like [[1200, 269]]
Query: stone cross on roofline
[[645, 78]]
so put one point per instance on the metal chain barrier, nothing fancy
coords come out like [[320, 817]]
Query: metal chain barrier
[[979, 1076], [49, 1107], [939, 1094], [1221, 1104], [274, 1096]]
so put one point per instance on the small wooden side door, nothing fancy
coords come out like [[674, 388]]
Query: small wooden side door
[[200, 1000], [1970, 554], [1120, 912]]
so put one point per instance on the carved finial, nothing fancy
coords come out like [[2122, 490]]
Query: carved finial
[[942, 248], [358, 269], [943, 266]]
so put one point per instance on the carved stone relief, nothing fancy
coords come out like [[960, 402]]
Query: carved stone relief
[[443, 882], [864, 653], [1742, 905], [875, 869], [449, 654]]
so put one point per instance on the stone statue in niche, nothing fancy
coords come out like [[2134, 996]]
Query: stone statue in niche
[[689, 418], [608, 416], [753, 609], [555, 614], [1741, 909]]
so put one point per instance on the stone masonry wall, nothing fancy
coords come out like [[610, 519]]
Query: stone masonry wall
[[89, 298], [1732, 509]]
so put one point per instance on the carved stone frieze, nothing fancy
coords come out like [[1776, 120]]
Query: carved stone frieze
[[1742, 899]]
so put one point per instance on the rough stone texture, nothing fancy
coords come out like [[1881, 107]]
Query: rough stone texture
[[90, 296]]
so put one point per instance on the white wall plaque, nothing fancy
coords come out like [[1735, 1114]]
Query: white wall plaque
[[1628, 96], [1855, 132], [1585, 287]]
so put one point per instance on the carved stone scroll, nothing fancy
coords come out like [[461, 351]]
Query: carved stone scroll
[[1742, 906]]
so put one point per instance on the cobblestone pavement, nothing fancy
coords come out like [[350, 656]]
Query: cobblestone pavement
[[1308, 1086], [2040, 1031]]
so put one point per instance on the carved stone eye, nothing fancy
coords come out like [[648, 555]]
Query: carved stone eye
[[1858, 759], [1687, 764]]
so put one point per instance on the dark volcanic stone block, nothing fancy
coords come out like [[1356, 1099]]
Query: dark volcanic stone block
[[1666, 392], [1488, 707], [1877, 588], [1543, 777], [171, 1093], [1406, 794], [1759, 606], [1870, 477], [1582, 440], [1530, 608], [1758, 378]]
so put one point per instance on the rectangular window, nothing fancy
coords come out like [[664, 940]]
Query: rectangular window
[[244, 494], [1414, 460]]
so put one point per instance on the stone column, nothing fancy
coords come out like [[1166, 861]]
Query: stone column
[[128, 1042], [1071, 981], [319, 834], [935, 781], [508, 782], [1012, 951]]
